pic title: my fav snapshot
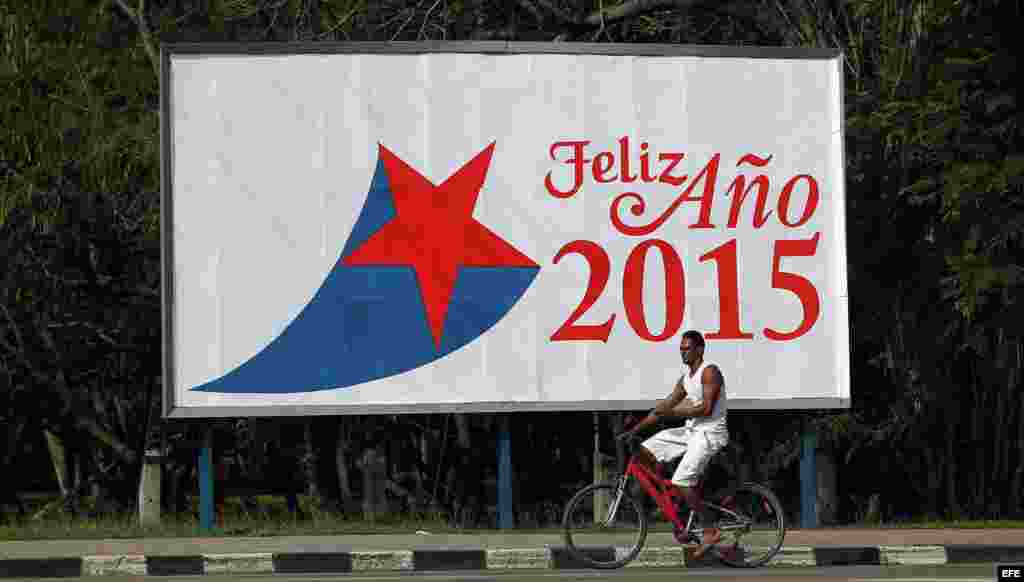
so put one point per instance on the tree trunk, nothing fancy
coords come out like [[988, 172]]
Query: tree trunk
[[998, 443], [1008, 412], [462, 430], [454, 488], [105, 501], [1015, 498], [170, 490], [309, 462], [15, 427], [467, 470], [618, 423], [373, 21], [457, 474], [312, 9], [374, 467], [978, 430], [263, 431], [984, 409], [421, 491], [341, 460], [1018, 477], [76, 459], [435, 503], [751, 460], [8, 486], [59, 458], [873, 512], [933, 480], [952, 503], [827, 497]]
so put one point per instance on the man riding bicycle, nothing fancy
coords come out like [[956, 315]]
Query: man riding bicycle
[[699, 396]]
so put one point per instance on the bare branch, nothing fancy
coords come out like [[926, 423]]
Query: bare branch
[[341, 22], [558, 12], [7, 346], [82, 419], [103, 281], [139, 17], [14, 328], [49, 342], [600, 10], [412, 15], [502, 34], [533, 10], [634, 8], [104, 436], [92, 327], [419, 35], [273, 21], [603, 17]]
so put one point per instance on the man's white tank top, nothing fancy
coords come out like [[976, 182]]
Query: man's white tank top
[[695, 393]]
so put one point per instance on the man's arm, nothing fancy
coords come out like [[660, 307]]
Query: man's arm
[[711, 381], [677, 396], [662, 408]]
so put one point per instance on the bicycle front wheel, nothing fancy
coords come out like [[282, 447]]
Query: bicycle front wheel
[[603, 527], [752, 524]]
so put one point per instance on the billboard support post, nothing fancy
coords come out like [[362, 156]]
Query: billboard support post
[[504, 473], [808, 477], [206, 481]]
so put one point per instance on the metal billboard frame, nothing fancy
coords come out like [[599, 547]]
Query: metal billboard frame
[[167, 50]]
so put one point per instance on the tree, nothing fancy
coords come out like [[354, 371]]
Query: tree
[[80, 307], [934, 222]]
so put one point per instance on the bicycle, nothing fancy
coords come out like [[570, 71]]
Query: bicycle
[[749, 516]]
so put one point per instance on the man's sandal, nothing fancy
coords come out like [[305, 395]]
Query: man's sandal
[[710, 539]]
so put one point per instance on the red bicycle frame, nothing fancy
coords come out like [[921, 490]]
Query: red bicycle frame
[[662, 490]]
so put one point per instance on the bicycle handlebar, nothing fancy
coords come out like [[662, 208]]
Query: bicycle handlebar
[[630, 440]]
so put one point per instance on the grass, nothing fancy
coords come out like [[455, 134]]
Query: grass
[[274, 520], [271, 520]]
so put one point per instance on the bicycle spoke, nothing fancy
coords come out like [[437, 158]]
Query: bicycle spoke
[[604, 526], [752, 527]]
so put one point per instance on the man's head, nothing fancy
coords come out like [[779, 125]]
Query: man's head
[[691, 347]]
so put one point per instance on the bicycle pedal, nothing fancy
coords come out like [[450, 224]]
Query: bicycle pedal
[[683, 537]]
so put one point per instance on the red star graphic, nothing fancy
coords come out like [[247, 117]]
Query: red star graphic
[[435, 233]]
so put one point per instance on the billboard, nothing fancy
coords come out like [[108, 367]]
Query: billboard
[[401, 228]]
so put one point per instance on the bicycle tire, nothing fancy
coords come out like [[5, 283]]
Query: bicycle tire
[[758, 543], [629, 513]]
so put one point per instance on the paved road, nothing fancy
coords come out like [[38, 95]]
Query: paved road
[[949, 573], [919, 555], [482, 539]]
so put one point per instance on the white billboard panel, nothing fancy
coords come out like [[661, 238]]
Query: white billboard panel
[[497, 227]]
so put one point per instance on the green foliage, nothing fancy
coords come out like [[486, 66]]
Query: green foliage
[[935, 212], [82, 118]]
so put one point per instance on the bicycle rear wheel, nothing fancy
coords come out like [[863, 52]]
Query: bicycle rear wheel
[[600, 532], [752, 524]]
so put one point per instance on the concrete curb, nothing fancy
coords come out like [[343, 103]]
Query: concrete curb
[[468, 558], [913, 555]]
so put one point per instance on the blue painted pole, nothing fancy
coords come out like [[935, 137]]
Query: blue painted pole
[[504, 473], [206, 481], [808, 478]]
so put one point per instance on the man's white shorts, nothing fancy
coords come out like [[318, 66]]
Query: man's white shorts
[[696, 446]]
